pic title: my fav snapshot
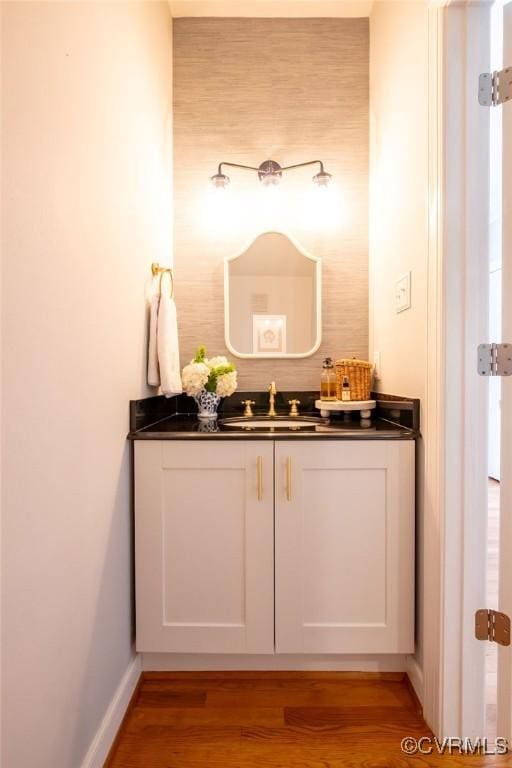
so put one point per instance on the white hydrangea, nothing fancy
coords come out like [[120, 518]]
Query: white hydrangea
[[226, 384], [194, 378], [213, 362]]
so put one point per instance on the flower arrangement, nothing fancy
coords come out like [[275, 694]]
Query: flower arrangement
[[208, 380]]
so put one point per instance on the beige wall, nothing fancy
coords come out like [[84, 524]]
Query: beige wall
[[399, 210], [247, 90], [86, 207]]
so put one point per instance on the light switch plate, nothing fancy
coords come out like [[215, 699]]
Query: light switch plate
[[403, 293]]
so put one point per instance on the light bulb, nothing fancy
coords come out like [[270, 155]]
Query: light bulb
[[271, 180], [322, 179], [220, 180]]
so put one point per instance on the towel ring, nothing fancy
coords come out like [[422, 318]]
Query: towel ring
[[156, 269]]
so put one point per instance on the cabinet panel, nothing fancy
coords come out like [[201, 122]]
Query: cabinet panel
[[345, 547], [351, 518], [204, 547], [204, 583]]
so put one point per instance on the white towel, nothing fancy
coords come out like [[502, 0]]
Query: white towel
[[164, 355], [153, 372]]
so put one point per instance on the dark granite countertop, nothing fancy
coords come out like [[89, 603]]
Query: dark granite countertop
[[158, 418]]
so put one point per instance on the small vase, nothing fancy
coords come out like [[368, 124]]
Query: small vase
[[207, 404]]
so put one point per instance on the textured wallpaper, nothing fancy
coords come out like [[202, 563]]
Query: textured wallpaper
[[247, 90]]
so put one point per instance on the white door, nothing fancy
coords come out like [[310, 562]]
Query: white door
[[505, 589], [204, 546], [344, 547]]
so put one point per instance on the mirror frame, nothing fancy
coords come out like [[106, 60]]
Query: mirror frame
[[318, 295]]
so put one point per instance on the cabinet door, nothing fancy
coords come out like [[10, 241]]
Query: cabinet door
[[345, 547], [204, 554]]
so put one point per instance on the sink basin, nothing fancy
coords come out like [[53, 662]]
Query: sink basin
[[278, 422]]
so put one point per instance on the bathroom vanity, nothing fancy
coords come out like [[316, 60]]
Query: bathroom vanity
[[274, 540]]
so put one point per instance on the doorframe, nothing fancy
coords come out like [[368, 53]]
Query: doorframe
[[431, 587], [456, 430], [504, 714]]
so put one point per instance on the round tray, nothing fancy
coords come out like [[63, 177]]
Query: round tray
[[340, 406]]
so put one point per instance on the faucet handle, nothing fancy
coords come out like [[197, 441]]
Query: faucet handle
[[248, 409], [294, 411]]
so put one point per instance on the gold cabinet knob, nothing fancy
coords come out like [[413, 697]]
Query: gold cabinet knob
[[248, 408], [294, 411]]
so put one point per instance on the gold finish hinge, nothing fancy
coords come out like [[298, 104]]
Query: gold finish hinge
[[493, 626]]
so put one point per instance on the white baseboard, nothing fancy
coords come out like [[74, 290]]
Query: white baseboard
[[415, 675], [193, 662], [109, 726]]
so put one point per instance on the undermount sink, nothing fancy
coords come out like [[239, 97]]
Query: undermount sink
[[276, 422]]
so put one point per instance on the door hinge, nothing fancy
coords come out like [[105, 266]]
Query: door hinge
[[493, 626], [495, 360], [495, 88]]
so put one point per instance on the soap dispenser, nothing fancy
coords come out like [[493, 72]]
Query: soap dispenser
[[328, 381]]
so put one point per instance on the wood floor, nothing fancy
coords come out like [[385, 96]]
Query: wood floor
[[275, 720]]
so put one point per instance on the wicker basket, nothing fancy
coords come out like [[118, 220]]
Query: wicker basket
[[359, 374]]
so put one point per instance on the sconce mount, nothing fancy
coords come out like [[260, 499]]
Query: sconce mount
[[270, 172]]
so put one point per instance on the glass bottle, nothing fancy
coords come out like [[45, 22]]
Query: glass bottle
[[328, 381], [345, 389]]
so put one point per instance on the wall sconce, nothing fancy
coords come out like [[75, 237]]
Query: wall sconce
[[270, 173]]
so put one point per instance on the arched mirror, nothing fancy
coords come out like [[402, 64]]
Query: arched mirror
[[272, 299]]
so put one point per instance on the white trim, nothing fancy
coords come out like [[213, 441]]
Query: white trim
[[464, 503], [172, 662], [452, 672], [109, 726], [415, 675], [318, 297], [504, 692], [432, 427]]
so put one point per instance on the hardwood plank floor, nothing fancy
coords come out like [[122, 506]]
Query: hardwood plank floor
[[276, 720]]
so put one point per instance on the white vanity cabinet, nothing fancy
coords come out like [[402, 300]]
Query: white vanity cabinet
[[204, 546], [327, 527], [344, 541]]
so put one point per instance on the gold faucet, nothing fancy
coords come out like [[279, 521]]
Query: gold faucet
[[271, 400], [294, 411]]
